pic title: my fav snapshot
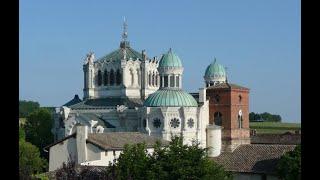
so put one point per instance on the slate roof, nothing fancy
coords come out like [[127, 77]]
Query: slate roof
[[287, 138], [227, 86], [253, 158], [118, 55], [107, 102], [86, 117], [117, 140], [73, 101]]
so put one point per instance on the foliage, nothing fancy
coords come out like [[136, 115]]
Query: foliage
[[22, 134], [30, 161], [175, 161], [171, 162], [38, 129], [289, 166], [27, 107], [264, 117]]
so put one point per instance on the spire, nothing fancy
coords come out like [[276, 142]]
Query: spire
[[215, 60], [125, 32], [124, 43]]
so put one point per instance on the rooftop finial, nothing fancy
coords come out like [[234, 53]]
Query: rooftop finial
[[214, 61], [125, 32]]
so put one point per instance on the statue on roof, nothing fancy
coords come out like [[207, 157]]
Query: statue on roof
[[89, 58]]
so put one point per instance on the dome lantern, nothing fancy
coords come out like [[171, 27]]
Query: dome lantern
[[215, 74]]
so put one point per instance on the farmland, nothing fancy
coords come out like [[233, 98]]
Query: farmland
[[274, 127]]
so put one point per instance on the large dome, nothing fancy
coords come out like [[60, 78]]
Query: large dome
[[215, 73], [170, 60], [170, 98]]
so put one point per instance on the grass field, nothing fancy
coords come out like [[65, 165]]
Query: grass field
[[274, 127]]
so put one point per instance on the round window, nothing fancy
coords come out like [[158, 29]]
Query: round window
[[190, 123], [174, 122]]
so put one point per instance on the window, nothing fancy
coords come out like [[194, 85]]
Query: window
[[172, 81], [106, 153], [156, 83], [217, 118], [153, 79], [144, 123], [165, 81], [156, 122], [240, 98], [175, 123], [99, 78], [239, 121], [118, 77], [177, 81], [111, 77], [105, 79], [190, 123], [161, 81], [217, 98], [150, 79]]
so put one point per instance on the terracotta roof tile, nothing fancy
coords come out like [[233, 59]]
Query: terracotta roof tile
[[256, 158]]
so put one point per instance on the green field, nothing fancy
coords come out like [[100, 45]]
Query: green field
[[274, 127]]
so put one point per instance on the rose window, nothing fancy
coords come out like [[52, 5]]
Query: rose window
[[174, 122]]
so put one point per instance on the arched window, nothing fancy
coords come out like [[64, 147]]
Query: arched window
[[172, 81], [105, 77], [157, 79], [153, 79], [112, 77], [99, 78], [177, 82], [218, 118], [139, 77], [150, 78], [132, 77], [240, 121], [165, 79], [161, 81], [118, 77]]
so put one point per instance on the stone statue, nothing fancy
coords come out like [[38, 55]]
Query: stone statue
[[90, 58]]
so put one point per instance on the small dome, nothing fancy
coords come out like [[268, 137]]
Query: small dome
[[170, 98], [170, 60], [215, 71]]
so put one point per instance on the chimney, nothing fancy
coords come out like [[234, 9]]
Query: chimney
[[81, 138], [202, 95]]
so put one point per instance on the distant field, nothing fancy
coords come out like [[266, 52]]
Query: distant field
[[274, 127]]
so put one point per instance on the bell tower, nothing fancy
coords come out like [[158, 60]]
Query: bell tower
[[228, 107]]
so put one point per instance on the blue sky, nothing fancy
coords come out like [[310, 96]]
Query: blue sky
[[258, 41]]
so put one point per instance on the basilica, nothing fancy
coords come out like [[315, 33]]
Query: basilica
[[127, 95]]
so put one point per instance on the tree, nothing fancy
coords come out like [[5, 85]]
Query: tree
[[38, 129], [30, 161], [252, 116], [289, 166], [27, 107], [22, 134], [174, 161]]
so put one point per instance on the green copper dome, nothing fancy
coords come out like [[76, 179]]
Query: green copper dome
[[215, 70], [170, 60], [170, 98]]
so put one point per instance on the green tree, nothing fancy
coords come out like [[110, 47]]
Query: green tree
[[30, 161], [22, 134], [289, 166], [38, 129], [174, 161], [27, 107]]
